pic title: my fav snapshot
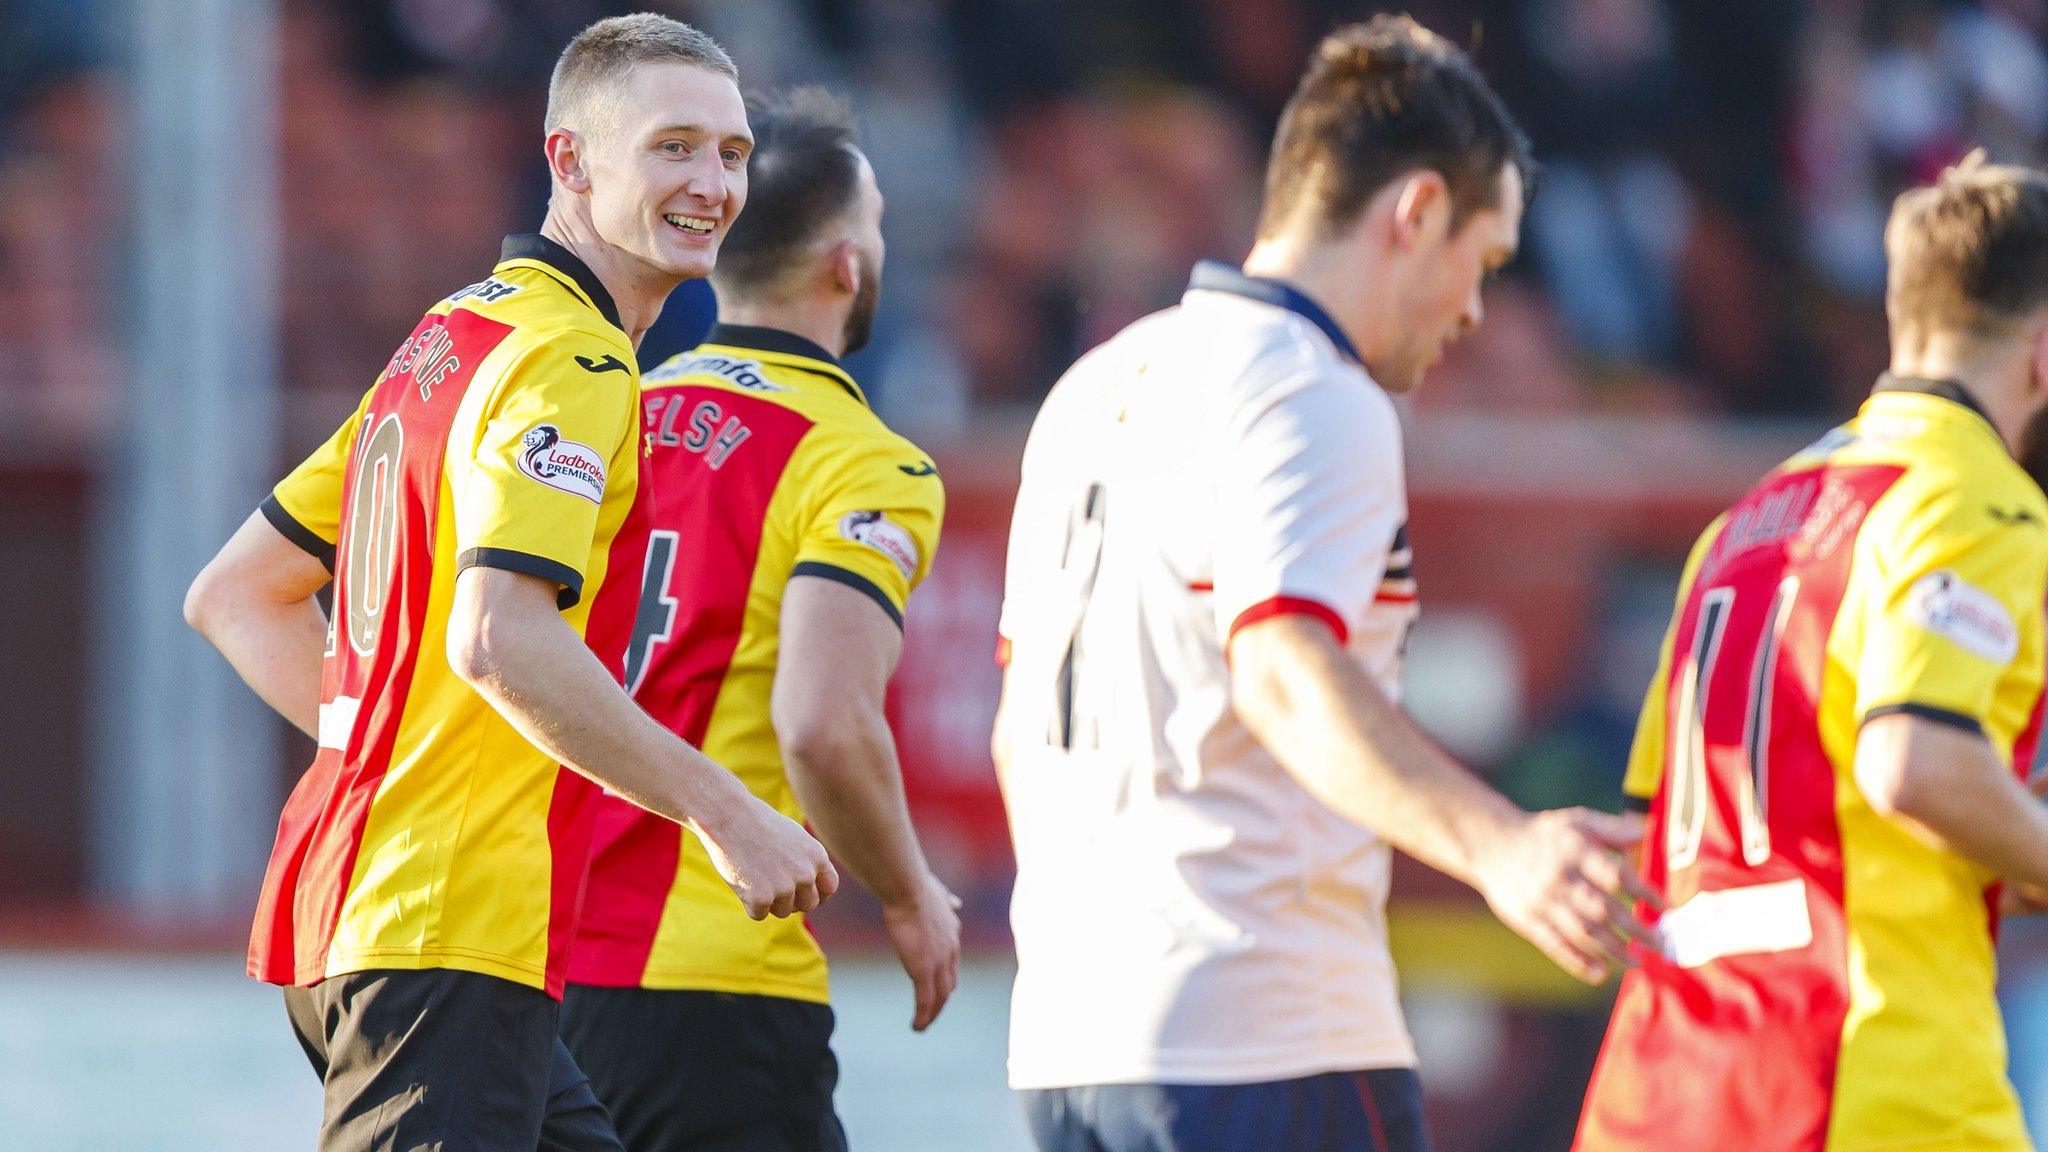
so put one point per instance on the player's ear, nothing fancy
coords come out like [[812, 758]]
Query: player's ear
[[565, 160], [1422, 208], [845, 264]]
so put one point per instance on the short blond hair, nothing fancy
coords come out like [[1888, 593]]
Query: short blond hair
[[602, 54], [1969, 253]]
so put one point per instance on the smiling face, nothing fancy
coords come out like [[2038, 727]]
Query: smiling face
[[1442, 297], [668, 171]]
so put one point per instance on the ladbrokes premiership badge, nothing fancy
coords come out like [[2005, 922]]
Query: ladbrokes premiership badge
[[561, 464]]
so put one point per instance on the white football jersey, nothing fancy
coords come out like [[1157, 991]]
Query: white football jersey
[[1185, 912]]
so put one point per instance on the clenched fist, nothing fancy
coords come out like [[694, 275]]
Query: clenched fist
[[773, 865]]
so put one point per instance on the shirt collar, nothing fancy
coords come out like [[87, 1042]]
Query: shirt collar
[[1216, 276], [533, 246], [1945, 389], [783, 343]]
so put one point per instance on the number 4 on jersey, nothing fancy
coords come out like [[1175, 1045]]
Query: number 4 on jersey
[[654, 620]]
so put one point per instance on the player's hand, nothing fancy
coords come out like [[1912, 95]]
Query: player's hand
[[773, 865], [925, 930], [1563, 883]]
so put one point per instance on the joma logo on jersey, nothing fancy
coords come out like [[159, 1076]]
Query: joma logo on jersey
[[489, 291], [563, 465], [608, 364], [428, 356], [745, 373], [2012, 517]]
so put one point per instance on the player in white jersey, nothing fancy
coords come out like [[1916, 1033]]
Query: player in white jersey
[[1207, 598]]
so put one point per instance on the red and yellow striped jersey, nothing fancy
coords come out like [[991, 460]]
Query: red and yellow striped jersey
[[765, 463], [428, 833], [1826, 977]]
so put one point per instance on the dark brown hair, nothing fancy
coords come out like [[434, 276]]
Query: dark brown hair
[[804, 173], [1383, 98], [1969, 253]]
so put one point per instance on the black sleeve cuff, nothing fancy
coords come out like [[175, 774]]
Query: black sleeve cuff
[[511, 560], [853, 580], [296, 532], [1927, 712], [1639, 805]]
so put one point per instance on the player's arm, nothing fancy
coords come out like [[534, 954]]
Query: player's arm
[[508, 640], [1023, 549], [838, 650], [1551, 876], [1953, 622], [867, 537], [523, 537], [254, 602], [1945, 782], [999, 740], [1309, 500]]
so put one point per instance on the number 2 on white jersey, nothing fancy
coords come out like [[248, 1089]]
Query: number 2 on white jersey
[[1080, 562]]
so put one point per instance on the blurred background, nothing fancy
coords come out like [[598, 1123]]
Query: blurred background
[[217, 217]]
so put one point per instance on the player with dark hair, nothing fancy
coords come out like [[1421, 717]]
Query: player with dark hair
[[1832, 751], [780, 530], [424, 886], [1210, 586]]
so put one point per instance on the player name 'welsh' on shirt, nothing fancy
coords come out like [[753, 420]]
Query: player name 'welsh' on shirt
[[428, 833], [1184, 910]]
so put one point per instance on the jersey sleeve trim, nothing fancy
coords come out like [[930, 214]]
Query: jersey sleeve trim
[[853, 580], [513, 560], [289, 527], [1292, 606], [1931, 713]]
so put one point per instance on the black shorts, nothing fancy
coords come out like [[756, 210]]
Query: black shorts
[[1375, 1111], [707, 1071], [443, 1061]]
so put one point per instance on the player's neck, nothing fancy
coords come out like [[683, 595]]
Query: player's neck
[[818, 325], [637, 291], [1333, 279], [1997, 378]]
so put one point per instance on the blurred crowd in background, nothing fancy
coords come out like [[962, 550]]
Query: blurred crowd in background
[[1705, 237], [1704, 250]]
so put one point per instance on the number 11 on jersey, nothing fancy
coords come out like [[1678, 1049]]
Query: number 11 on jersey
[[1698, 692]]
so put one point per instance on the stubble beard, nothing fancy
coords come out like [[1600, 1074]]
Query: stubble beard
[[860, 321]]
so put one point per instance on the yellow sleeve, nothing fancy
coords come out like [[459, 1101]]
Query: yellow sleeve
[[1953, 592], [1646, 754], [306, 505], [551, 442], [874, 524]]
